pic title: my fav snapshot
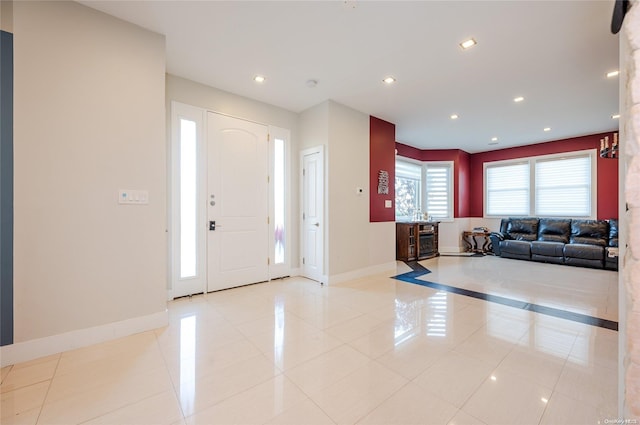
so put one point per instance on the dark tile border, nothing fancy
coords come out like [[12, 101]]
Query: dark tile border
[[419, 270]]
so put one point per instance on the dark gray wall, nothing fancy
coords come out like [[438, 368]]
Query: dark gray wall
[[6, 188]]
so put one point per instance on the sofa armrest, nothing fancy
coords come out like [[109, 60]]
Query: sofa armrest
[[496, 237]]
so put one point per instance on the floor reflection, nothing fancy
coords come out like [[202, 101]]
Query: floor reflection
[[278, 328], [187, 361]]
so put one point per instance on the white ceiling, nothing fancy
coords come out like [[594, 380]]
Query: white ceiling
[[554, 53]]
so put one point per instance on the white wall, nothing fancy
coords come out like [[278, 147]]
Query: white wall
[[353, 246], [216, 100], [348, 168], [89, 120]]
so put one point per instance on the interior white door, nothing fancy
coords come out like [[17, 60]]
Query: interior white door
[[237, 211], [312, 214]]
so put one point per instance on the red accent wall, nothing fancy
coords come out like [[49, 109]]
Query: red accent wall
[[461, 172], [382, 139], [607, 178]]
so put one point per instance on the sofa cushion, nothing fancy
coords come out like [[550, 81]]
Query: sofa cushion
[[551, 249], [591, 232], [520, 250], [554, 230], [584, 251], [523, 229], [613, 233]]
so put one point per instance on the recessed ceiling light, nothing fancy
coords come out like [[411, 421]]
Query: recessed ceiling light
[[546, 129], [518, 99], [494, 139], [259, 78], [311, 83], [468, 44], [615, 117], [613, 74], [389, 80], [454, 116]]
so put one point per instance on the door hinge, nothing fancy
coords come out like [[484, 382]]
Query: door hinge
[[268, 137], [268, 261], [302, 260], [304, 171], [268, 221], [268, 179], [304, 217]]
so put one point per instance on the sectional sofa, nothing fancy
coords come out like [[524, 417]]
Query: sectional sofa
[[576, 242]]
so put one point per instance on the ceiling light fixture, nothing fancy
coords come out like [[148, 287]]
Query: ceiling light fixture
[[494, 139], [518, 99], [454, 116], [615, 117], [546, 129], [389, 80], [259, 78], [467, 44], [613, 74], [311, 83]]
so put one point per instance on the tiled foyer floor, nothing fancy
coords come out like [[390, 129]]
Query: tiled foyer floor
[[372, 351]]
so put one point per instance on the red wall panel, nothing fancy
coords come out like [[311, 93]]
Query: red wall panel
[[382, 139], [607, 178]]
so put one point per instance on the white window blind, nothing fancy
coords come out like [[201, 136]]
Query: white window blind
[[563, 187], [408, 170], [439, 191], [507, 189]]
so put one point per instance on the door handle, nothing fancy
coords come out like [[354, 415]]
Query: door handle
[[212, 225], [316, 224]]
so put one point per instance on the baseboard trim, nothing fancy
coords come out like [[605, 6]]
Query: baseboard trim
[[28, 350], [451, 249], [357, 274]]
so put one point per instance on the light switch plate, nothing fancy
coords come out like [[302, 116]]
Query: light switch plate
[[133, 197], [387, 203]]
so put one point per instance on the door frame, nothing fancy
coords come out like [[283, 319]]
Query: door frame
[[321, 151], [197, 284], [283, 269]]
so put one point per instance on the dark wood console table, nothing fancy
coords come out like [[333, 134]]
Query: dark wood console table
[[416, 240], [471, 242]]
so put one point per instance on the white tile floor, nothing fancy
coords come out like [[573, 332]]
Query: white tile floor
[[371, 351]]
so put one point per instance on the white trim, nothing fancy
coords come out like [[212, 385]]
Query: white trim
[[197, 284], [357, 274], [279, 270], [35, 348], [450, 249], [323, 152]]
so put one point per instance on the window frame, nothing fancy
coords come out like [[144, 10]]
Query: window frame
[[423, 186], [532, 160]]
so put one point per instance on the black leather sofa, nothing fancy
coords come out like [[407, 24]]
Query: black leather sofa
[[577, 242]]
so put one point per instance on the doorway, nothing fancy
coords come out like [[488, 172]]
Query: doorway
[[313, 224]]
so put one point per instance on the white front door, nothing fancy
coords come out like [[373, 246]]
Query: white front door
[[237, 203], [312, 213]]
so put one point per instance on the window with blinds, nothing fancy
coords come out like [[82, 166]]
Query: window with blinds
[[507, 189], [563, 187], [438, 191], [408, 189], [552, 186], [425, 187]]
